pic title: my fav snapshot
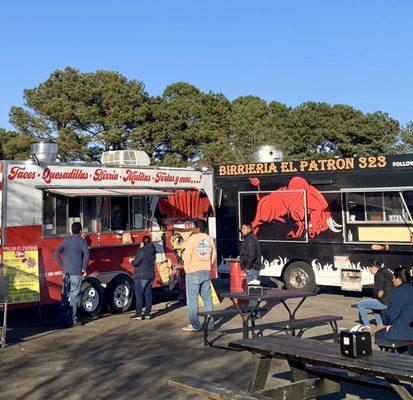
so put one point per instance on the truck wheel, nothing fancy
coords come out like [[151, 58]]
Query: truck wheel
[[300, 276], [120, 294], [91, 297]]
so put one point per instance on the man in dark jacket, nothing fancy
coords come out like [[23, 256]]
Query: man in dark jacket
[[76, 259], [250, 255], [144, 275], [383, 287]]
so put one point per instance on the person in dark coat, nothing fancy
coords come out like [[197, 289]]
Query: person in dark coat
[[250, 255], [144, 275], [400, 307], [383, 287]]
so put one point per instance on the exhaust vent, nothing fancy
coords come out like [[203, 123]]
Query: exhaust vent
[[44, 152]]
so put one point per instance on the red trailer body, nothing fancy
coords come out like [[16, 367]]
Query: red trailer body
[[40, 202]]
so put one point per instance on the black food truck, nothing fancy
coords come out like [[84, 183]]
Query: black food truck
[[319, 222]]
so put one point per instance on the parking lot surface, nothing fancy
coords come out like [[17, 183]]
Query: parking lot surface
[[112, 357]]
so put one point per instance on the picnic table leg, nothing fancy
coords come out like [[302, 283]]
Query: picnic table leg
[[292, 313], [400, 390], [246, 317], [334, 326], [260, 374], [206, 323]]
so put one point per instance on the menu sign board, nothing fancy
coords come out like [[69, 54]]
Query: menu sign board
[[21, 265]]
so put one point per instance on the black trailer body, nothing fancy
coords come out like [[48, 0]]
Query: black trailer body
[[319, 222]]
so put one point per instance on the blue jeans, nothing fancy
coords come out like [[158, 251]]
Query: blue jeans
[[250, 275], [70, 298], [371, 304], [143, 287], [198, 282]]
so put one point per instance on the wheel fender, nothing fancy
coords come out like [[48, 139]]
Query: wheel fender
[[115, 278], [93, 281]]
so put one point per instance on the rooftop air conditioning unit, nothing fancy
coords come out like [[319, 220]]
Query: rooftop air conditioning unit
[[126, 157]]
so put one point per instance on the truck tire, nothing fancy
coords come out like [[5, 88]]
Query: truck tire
[[91, 297], [120, 294], [300, 276]]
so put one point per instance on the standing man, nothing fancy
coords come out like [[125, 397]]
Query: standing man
[[383, 287], [76, 259], [199, 256], [250, 255], [143, 276]]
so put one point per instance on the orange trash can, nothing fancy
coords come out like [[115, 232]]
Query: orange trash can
[[237, 279]]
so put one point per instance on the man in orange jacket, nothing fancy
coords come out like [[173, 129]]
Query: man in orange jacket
[[199, 256]]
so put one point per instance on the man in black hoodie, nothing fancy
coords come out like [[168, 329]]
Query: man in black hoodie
[[250, 255], [144, 275]]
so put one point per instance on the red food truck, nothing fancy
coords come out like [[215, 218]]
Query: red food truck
[[117, 203]]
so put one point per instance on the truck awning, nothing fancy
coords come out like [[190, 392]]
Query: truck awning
[[79, 192]]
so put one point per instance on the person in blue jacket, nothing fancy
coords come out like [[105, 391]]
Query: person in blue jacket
[[400, 307]]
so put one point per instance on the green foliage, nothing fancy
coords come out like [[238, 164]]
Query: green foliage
[[405, 144], [317, 130], [14, 146], [87, 113], [83, 112]]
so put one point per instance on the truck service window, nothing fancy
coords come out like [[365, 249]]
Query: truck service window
[[119, 213], [96, 214], [48, 213], [139, 212], [61, 215], [90, 217]]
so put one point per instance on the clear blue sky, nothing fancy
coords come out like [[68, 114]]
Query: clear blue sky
[[354, 52]]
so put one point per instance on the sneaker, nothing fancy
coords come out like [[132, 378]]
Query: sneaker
[[136, 318], [190, 328], [147, 317]]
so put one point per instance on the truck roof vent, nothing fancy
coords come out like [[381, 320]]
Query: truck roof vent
[[267, 153], [126, 157]]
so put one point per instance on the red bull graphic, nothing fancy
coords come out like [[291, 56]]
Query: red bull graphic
[[298, 201]]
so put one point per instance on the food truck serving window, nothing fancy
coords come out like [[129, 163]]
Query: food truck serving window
[[96, 213], [377, 216]]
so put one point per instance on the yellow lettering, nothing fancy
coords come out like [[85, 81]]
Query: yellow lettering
[[292, 168], [241, 169], [340, 163], [322, 164], [232, 170], [331, 165], [272, 167], [284, 166], [222, 170], [362, 162], [313, 166], [372, 162], [349, 163], [382, 161], [259, 168], [303, 165]]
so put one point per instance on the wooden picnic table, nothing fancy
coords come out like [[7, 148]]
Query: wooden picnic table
[[307, 357], [270, 295]]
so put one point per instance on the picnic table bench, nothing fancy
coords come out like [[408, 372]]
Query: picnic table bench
[[227, 312], [292, 324], [301, 325], [317, 369]]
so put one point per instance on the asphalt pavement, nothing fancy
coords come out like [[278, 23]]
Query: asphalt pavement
[[112, 357]]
